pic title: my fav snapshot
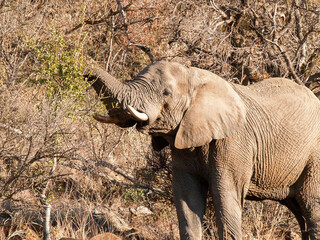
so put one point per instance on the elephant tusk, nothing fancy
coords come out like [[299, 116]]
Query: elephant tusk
[[138, 115], [105, 119]]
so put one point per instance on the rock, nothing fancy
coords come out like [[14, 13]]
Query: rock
[[141, 211], [114, 219], [25, 234], [30, 234], [69, 238], [106, 236]]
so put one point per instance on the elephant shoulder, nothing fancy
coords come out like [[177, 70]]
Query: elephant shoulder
[[272, 84], [281, 97], [277, 87]]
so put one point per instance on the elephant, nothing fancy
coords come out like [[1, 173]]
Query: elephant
[[234, 142]]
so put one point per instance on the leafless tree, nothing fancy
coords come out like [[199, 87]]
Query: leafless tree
[[250, 40]]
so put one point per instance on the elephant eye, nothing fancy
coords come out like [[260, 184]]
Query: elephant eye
[[166, 92]]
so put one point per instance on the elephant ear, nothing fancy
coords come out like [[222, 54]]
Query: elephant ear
[[216, 111]]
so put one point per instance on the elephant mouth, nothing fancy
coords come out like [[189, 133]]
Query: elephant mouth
[[121, 119], [143, 127], [124, 117], [127, 124], [159, 131]]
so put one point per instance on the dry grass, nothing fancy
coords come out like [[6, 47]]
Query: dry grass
[[88, 195]]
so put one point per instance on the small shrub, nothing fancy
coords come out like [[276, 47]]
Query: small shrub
[[134, 195], [59, 69]]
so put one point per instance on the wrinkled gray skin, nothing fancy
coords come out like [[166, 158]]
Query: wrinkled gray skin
[[235, 142]]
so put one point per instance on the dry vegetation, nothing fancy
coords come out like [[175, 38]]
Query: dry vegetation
[[98, 178]]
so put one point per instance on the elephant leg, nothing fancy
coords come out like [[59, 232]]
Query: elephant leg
[[311, 212], [294, 207], [190, 195], [308, 197], [228, 202]]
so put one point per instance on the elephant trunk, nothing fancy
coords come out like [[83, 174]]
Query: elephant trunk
[[106, 86], [113, 92]]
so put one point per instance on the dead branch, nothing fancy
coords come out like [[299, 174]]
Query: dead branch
[[15, 130], [110, 166], [314, 77], [131, 41], [99, 21], [288, 62], [123, 14]]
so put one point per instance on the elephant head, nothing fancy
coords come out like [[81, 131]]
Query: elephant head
[[185, 107]]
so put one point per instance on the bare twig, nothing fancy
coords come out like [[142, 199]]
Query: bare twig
[[111, 45], [314, 77], [131, 41], [274, 22], [100, 21], [288, 62], [123, 13], [112, 167], [15, 130], [302, 46]]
